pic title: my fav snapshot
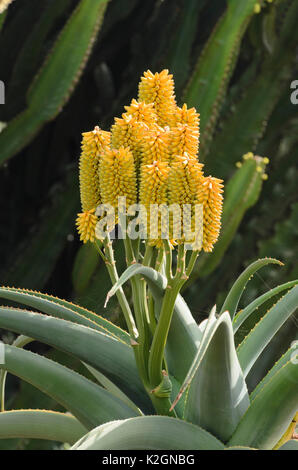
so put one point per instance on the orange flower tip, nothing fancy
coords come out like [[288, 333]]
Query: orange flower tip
[[158, 89]]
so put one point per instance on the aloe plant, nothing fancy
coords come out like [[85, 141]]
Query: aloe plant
[[222, 413], [163, 382], [249, 47]]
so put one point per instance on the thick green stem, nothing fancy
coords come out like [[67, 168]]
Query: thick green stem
[[141, 315], [159, 259], [156, 356], [148, 255]]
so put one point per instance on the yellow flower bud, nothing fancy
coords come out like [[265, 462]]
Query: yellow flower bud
[[153, 191], [86, 223], [185, 179], [156, 145], [158, 89], [210, 195], [127, 132], [185, 138], [141, 111], [117, 177], [248, 156], [4, 4], [93, 145]]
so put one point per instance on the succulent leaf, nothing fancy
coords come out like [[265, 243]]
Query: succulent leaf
[[40, 424], [103, 352], [255, 342]]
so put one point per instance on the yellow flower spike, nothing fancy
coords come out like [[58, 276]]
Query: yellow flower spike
[[158, 89], [153, 190], [86, 223], [257, 8], [156, 145], [142, 111], [117, 177], [210, 195], [185, 179], [187, 116], [127, 132], [185, 138], [93, 145]]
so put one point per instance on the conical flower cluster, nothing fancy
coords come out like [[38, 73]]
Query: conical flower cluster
[[4, 4], [153, 196], [93, 145], [151, 157], [117, 177]]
